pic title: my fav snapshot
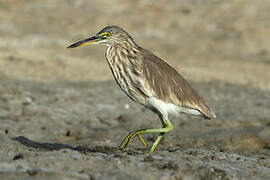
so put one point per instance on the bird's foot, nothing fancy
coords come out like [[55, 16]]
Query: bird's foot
[[138, 133], [129, 137]]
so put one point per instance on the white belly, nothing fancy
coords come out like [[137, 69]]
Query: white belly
[[170, 109]]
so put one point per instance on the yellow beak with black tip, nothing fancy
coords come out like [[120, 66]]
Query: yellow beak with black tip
[[91, 40]]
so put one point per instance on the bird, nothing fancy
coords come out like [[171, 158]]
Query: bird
[[148, 80]]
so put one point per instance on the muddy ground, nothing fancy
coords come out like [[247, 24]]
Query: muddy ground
[[62, 115]]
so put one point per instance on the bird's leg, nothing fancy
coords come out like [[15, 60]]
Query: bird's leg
[[160, 136], [167, 126]]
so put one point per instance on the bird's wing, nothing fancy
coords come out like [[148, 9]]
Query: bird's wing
[[170, 86]]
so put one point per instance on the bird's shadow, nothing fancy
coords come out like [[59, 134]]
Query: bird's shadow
[[58, 146]]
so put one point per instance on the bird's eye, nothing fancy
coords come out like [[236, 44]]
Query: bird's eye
[[107, 34], [104, 35]]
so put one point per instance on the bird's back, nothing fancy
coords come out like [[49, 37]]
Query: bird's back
[[170, 87]]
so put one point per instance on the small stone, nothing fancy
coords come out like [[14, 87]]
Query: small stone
[[32, 172], [18, 156], [170, 165], [122, 118], [91, 177], [127, 106], [148, 159], [27, 101], [68, 133]]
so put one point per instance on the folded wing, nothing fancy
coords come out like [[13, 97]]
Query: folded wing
[[170, 87]]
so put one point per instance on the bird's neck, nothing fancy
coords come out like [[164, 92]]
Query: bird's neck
[[128, 43], [128, 48]]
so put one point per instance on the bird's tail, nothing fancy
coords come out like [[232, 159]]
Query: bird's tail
[[207, 111]]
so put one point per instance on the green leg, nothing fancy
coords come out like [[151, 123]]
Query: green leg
[[167, 126], [156, 142]]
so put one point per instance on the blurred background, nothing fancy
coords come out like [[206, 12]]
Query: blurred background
[[206, 40], [52, 94]]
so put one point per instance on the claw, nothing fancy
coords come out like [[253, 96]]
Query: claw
[[125, 141], [141, 139]]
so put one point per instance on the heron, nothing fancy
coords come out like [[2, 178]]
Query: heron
[[148, 80]]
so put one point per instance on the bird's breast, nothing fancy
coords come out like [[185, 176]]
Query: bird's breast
[[127, 74]]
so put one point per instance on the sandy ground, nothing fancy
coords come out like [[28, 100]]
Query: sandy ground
[[63, 116]]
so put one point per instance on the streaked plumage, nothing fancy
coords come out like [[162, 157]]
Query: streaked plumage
[[148, 80]]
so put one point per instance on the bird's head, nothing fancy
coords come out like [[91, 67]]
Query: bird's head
[[110, 36]]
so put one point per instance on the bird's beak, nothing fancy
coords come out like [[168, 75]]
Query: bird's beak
[[91, 40]]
